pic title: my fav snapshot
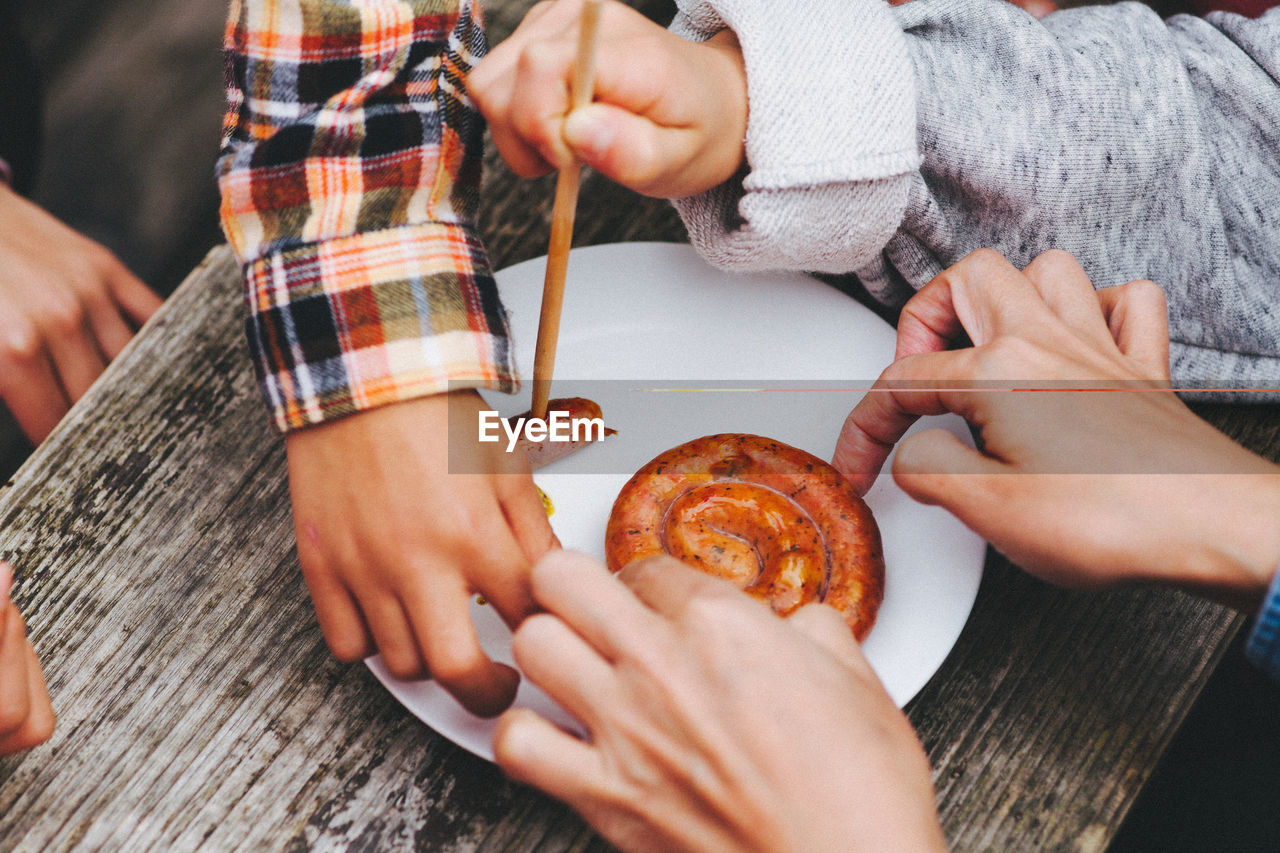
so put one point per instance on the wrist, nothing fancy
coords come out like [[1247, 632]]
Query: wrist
[[1236, 557], [729, 139]]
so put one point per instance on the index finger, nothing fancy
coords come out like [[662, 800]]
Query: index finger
[[916, 385], [589, 599], [981, 294]]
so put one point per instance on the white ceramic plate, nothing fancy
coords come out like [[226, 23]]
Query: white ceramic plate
[[650, 317]]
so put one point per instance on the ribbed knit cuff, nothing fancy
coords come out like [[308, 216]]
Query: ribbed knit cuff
[[831, 136], [1263, 649]]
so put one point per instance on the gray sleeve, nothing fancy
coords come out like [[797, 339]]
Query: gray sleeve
[[1148, 149]]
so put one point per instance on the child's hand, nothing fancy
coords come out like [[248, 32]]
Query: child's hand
[[669, 115], [26, 717], [1081, 488], [714, 724], [393, 545]]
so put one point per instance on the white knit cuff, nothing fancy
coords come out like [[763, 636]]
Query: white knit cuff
[[831, 134]]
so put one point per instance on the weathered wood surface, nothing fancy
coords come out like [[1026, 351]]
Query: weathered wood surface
[[199, 708]]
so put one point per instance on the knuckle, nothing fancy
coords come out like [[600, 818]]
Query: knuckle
[[714, 608], [532, 635], [44, 730], [104, 260], [1146, 290], [983, 259], [1005, 356], [514, 747], [1057, 259], [456, 664], [319, 567], [63, 315], [538, 11], [349, 647], [953, 277], [538, 59], [14, 710], [480, 87], [402, 665], [22, 343], [510, 487], [657, 658]]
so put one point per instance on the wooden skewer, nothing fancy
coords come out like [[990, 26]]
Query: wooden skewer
[[562, 214]]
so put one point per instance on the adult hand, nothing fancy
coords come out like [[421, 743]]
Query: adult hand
[[67, 307], [714, 725], [669, 115], [26, 717], [1085, 489], [393, 545]]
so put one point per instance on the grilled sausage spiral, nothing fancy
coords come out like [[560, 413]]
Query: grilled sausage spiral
[[776, 521]]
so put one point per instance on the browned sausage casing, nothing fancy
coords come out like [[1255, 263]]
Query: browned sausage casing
[[542, 453], [773, 519]]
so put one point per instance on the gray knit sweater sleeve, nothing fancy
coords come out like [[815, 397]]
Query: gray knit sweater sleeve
[[1148, 149], [831, 136]]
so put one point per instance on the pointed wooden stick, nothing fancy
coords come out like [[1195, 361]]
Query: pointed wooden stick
[[562, 214]]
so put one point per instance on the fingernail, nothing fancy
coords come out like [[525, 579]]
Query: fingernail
[[6, 580], [587, 133]]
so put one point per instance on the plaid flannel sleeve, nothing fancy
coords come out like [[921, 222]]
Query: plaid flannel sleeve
[[349, 174]]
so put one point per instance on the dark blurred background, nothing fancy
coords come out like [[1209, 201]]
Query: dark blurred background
[[133, 103]]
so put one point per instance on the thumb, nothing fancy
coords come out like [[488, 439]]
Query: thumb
[[934, 467], [627, 148]]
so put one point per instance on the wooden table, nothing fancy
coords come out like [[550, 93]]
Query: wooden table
[[199, 707]]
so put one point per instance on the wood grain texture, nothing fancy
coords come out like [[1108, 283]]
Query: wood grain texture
[[198, 705], [199, 708]]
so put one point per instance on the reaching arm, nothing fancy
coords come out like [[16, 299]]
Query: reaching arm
[[1116, 483], [350, 178]]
